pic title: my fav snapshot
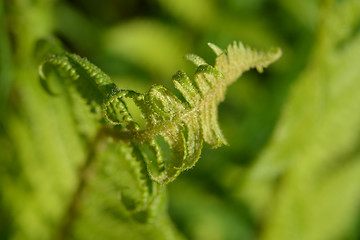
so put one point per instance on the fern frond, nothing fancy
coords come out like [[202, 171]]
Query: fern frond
[[172, 126]]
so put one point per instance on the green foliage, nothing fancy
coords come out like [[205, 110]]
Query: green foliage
[[76, 163], [314, 149]]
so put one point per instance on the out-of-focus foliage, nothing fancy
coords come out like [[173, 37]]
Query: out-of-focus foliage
[[312, 159], [292, 169]]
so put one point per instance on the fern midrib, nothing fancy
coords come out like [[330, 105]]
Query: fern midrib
[[183, 116]]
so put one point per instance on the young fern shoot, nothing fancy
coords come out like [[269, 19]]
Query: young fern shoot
[[172, 125], [183, 125]]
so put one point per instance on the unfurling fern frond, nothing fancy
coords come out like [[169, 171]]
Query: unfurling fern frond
[[173, 137]]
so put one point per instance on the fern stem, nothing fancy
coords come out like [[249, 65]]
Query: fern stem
[[84, 175]]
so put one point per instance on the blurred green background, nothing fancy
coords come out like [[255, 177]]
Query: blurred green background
[[292, 170]]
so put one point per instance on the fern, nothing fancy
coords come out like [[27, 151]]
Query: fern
[[175, 130], [183, 125]]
